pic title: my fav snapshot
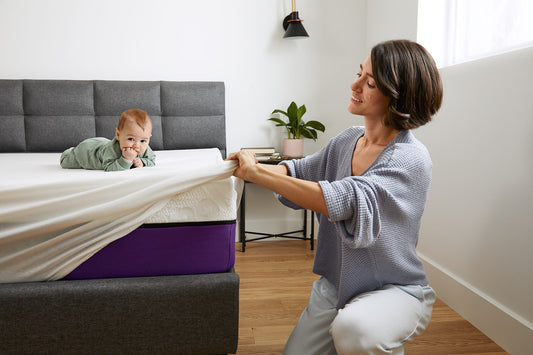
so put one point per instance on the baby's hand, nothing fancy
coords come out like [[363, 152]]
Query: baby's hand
[[138, 163], [129, 154]]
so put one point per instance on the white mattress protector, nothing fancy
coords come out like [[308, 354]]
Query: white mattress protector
[[217, 200], [53, 219]]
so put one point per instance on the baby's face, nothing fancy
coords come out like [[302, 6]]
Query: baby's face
[[134, 136]]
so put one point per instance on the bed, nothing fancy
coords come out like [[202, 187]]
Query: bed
[[138, 261]]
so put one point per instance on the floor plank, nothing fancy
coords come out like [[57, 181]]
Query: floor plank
[[276, 279]]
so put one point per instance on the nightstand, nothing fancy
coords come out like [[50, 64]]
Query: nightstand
[[291, 234]]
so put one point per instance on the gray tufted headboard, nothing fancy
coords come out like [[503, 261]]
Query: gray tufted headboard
[[53, 115]]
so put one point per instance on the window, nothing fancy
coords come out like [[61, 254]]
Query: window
[[456, 31]]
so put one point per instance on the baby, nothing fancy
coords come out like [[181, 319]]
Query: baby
[[128, 149]]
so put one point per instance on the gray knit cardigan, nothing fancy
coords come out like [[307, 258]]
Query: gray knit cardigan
[[370, 236]]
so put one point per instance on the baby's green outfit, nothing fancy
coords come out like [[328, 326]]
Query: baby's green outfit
[[101, 154]]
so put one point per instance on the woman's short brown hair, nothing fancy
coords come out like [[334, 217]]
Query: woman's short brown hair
[[406, 73]]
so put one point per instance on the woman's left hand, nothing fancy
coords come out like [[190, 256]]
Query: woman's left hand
[[247, 164]]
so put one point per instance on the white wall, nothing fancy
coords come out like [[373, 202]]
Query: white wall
[[476, 237], [390, 19], [478, 223]]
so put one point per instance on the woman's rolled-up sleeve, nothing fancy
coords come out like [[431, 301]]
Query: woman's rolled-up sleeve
[[354, 209], [392, 192]]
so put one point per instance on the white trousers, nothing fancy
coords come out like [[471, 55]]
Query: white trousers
[[377, 322]]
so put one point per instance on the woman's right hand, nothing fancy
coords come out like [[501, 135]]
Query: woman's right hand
[[247, 164], [306, 194]]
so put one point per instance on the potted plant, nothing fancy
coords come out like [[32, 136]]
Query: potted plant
[[297, 129]]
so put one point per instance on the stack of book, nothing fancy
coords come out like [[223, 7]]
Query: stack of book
[[265, 154]]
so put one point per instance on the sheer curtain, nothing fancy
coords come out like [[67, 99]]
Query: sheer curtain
[[455, 31]]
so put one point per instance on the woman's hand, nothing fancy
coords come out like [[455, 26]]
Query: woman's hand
[[247, 164], [306, 194]]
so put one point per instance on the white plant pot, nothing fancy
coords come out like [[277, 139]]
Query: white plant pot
[[293, 148]]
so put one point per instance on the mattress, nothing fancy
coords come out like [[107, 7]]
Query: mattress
[[57, 223], [194, 233], [164, 249]]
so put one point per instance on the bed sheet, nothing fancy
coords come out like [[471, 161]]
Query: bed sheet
[[53, 219]]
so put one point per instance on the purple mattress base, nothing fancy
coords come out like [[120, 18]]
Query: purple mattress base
[[162, 250]]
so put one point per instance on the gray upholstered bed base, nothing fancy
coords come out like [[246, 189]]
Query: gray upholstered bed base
[[187, 314]]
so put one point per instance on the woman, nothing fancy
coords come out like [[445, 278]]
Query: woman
[[368, 186]]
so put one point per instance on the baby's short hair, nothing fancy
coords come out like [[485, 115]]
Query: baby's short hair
[[139, 116]]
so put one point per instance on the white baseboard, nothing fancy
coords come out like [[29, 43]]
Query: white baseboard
[[507, 329]]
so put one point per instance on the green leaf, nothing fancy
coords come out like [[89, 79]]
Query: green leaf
[[306, 133], [292, 110], [301, 111], [316, 125], [278, 121], [309, 133], [293, 121], [280, 111]]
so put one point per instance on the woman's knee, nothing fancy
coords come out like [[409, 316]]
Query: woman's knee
[[379, 322], [356, 335]]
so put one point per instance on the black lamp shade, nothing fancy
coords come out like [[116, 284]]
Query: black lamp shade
[[293, 26]]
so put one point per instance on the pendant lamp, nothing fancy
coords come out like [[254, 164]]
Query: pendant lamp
[[293, 25]]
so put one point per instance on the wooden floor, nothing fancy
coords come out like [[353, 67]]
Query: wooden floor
[[276, 280]]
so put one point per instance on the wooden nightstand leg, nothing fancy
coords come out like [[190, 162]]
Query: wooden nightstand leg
[[312, 236], [305, 225], [242, 222]]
